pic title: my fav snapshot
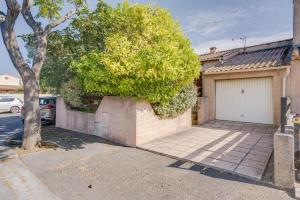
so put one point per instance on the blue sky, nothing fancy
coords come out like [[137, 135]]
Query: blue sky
[[208, 23]]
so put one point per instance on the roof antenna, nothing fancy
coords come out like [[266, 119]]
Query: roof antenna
[[243, 38]]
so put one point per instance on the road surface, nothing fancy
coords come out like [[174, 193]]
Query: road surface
[[10, 126]]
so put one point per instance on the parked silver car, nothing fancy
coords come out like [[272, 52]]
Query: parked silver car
[[47, 109], [10, 104]]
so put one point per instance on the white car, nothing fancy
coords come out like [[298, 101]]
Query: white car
[[10, 104]]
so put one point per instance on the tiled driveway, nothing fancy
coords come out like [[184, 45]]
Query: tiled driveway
[[236, 147]]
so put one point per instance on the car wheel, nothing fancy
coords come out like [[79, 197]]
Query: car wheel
[[15, 109]]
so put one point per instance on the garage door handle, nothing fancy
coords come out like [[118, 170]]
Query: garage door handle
[[243, 91]]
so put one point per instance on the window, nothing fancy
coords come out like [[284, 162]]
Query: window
[[45, 101], [7, 99]]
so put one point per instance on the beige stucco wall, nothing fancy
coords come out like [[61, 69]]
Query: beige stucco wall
[[150, 127], [202, 110], [121, 120], [73, 120], [115, 120], [293, 86], [209, 87]]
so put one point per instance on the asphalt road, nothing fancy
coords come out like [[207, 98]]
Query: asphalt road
[[88, 167], [10, 126]]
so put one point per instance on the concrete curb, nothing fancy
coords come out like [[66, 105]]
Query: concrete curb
[[21, 182]]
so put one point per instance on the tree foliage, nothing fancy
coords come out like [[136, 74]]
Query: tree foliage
[[50, 11], [141, 53], [178, 104], [71, 92], [130, 50], [80, 37], [60, 52]]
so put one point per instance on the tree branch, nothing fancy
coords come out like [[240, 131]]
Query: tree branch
[[60, 20], [40, 54], [27, 15], [10, 38]]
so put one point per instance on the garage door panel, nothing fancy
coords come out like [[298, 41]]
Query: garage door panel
[[248, 100], [227, 105]]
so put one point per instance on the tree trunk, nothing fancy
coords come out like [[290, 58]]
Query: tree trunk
[[32, 121]]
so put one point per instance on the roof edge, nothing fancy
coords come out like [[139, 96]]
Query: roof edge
[[278, 43], [246, 70]]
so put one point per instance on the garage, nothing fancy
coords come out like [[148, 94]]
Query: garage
[[245, 100]]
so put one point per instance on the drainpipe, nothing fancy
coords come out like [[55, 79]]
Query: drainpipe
[[284, 80]]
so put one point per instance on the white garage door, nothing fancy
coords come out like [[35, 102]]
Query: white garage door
[[246, 100]]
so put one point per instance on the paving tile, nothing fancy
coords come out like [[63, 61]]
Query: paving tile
[[220, 150], [224, 165], [183, 155], [265, 149], [236, 128], [238, 123], [268, 136], [249, 142], [209, 154], [172, 152], [261, 153], [247, 128], [271, 131], [235, 153], [249, 171], [199, 158], [267, 140], [264, 145], [253, 163], [257, 157], [240, 149], [232, 159], [207, 161], [243, 147], [259, 130]]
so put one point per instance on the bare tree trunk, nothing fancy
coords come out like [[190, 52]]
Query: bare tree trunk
[[32, 125], [30, 75]]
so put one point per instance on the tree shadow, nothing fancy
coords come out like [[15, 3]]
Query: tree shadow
[[187, 164], [213, 173], [53, 137]]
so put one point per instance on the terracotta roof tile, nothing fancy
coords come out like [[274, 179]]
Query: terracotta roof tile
[[216, 55], [266, 58]]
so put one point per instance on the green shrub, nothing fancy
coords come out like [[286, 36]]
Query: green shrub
[[184, 100], [145, 55], [71, 92]]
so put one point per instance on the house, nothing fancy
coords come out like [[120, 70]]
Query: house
[[246, 84], [10, 84]]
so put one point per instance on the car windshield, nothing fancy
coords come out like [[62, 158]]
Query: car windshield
[[45, 101]]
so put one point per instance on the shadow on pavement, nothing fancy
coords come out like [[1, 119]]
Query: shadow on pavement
[[69, 140], [222, 175]]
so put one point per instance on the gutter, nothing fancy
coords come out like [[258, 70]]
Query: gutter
[[284, 81]]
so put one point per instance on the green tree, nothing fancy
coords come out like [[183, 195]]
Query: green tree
[[141, 53], [83, 35], [30, 72]]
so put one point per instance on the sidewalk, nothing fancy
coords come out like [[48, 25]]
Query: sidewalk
[[18, 182]]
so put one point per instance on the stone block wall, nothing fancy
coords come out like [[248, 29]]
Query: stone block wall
[[284, 167], [202, 109]]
